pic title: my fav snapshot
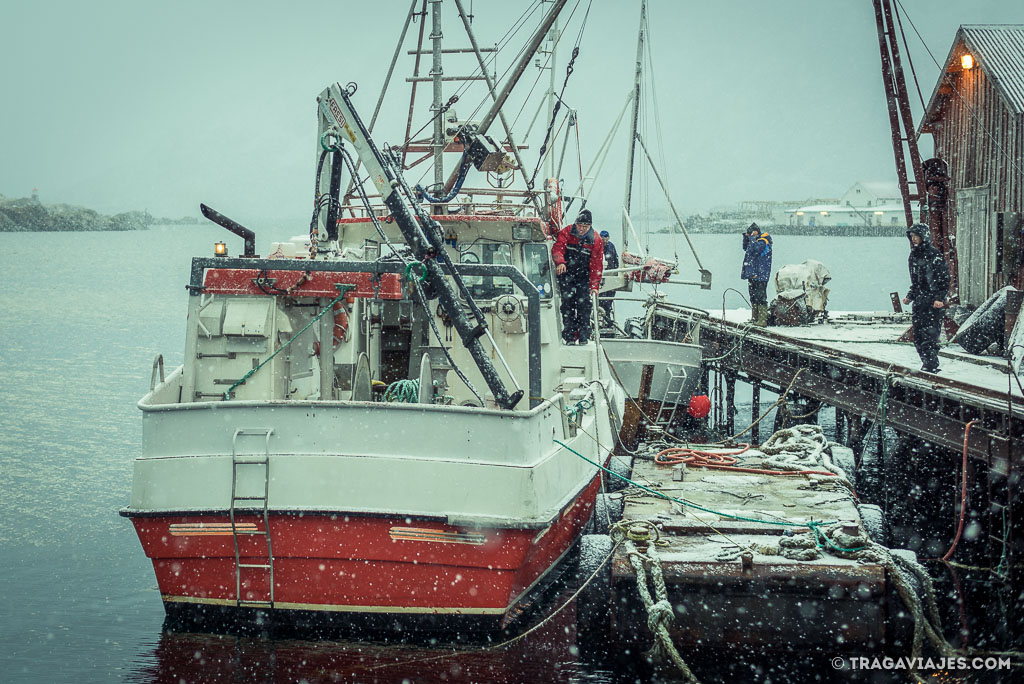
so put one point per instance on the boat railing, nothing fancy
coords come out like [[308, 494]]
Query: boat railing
[[506, 202]]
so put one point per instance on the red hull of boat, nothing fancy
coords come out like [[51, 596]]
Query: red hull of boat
[[361, 564]]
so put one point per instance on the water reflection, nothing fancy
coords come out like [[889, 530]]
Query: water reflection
[[546, 652]]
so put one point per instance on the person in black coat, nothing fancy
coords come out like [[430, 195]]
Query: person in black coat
[[611, 262], [929, 286]]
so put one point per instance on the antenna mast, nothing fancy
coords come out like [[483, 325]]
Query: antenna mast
[[635, 118]]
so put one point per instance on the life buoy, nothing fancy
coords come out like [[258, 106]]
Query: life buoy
[[340, 331], [340, 323], [554, 204]]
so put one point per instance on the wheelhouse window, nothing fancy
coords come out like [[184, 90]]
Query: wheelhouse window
[[538, 268], [487, 286]]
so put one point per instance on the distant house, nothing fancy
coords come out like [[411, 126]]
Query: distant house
[[866, 203], [976, 118]]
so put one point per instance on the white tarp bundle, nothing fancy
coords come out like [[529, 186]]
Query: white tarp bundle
[[804, 280], [1015, 345]]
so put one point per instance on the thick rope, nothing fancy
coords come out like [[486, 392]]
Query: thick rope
[[403, 391], [660, 613]]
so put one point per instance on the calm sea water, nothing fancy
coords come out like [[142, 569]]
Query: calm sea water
[[83, 317]]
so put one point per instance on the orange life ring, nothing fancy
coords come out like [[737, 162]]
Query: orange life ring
[[340, 323], [340, 328]]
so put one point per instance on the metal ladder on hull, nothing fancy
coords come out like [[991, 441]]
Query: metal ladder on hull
[[262, 461], [672, 396]]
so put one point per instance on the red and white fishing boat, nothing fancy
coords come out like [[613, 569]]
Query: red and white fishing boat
[[348, 434], [276, 474]]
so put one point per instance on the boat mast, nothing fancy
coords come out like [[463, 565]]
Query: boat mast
[[436, 73], [553, 45], [635, 118], [517, 71]]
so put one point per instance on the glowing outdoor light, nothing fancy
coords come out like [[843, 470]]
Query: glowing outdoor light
[[799, 213], [967, 61], [879, 213], [220, 249]]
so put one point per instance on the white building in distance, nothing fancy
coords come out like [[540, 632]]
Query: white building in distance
[[866, 203]]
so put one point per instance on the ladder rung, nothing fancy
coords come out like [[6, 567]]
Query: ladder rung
[[250, 532], [245, 461], [254, 565], [244, 603], [250, 498]]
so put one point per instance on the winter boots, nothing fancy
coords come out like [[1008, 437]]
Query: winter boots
[[759, 315]]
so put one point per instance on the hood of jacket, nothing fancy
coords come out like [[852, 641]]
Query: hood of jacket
[[921, 230]]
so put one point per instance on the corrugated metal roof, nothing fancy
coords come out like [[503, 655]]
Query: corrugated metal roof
[[999, 49]]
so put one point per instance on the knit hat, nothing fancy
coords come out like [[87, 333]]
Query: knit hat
[[585, 217], [752, 227], [605, 234]]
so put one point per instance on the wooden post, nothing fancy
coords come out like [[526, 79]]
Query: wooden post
[[755, 411], [730, 403]]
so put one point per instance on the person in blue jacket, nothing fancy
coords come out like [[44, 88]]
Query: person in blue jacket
[[757, 270]]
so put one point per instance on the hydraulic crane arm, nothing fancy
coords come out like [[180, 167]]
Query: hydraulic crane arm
[[421, 232]]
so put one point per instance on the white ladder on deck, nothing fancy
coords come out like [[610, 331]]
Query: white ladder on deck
[[252, 502], [672, 395]]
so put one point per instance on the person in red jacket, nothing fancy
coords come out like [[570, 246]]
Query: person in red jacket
[[579, 261]]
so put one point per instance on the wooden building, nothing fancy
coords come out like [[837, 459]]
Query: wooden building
[[976, 118]]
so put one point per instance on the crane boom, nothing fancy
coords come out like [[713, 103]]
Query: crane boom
[[421, 232]]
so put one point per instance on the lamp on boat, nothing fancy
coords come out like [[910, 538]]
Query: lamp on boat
[[220, 249], [967, 61]]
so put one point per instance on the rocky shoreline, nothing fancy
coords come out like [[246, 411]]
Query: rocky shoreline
[[28, 214]]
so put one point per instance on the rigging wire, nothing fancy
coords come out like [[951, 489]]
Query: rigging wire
[[652, 80], [970, 109], [500, 45], [558, 38], [910, 60]]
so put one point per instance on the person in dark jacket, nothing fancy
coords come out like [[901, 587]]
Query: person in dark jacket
[[579, 261], [757, 270], [611, 262], [929, 286]]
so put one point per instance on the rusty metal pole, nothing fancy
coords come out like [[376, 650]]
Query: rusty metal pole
[[894, 118]]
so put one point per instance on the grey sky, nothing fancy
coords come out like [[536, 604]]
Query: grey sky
[[160, 106]]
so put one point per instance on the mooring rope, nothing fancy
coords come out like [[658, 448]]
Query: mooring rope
[[660, 613]]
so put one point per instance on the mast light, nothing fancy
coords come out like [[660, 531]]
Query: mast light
[[967, 61]]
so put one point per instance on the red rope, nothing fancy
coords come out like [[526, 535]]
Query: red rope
[[721, 460], [963, 495]]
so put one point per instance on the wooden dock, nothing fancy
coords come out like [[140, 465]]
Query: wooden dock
[[853, 365], [728, 582]]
